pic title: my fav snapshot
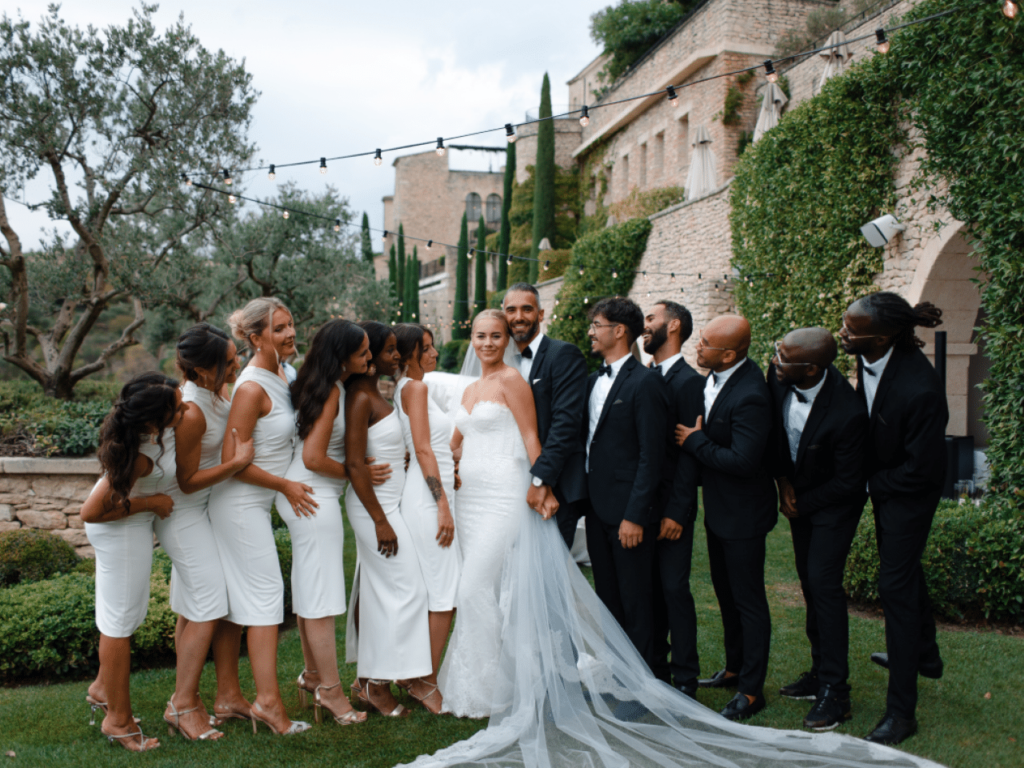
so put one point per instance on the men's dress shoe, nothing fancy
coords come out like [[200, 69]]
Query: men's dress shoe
[[804, 689], [892, 729], [740, 707], [630, 711], [829, 710], [687, 690], [719, 680], [932, 669]]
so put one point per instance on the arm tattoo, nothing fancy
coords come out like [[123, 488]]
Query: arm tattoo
[[435, 488]]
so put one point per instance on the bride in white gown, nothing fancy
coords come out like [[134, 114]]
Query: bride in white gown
[[536, 650]]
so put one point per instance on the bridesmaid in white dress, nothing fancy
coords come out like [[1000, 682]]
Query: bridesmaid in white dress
[[338, 350], [118, 517], [429, 495], [261, 409], [388, 632], [208, 361]]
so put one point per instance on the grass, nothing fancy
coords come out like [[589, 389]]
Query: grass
[[959, 726]]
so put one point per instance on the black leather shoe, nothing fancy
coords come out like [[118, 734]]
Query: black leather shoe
[[687, 690], [804, 689], [719, 680], [932, 669], [892, 729], [740, 707], [829, 710]]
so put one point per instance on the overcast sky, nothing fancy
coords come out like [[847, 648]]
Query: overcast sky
[[341, 77]]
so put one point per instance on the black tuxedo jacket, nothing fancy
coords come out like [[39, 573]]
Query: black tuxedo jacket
[[739, 493], [558, 379], [906, 443], [628, 447], [677, 497], [828, 475]]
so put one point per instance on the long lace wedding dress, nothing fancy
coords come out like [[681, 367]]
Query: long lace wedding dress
[[535, 648]]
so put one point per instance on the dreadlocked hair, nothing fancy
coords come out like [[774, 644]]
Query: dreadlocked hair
[[892, 314], [146, 401]]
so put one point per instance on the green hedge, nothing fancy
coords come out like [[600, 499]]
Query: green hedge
[[48, 427], [29, 555], [973, 561]]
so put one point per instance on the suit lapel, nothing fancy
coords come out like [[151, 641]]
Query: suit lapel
[[891, 372], [538, 360], [729, 384], [625, 373], [677, 369], [818, 410]]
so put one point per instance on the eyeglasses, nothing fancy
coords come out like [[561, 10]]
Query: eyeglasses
[[778, 356], [701, 342], [595, 325], [844, 330]]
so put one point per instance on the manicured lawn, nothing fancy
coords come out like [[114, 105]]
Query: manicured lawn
[[48, 725]]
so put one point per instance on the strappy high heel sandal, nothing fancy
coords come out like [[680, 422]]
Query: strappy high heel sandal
[[397, 711], [305, 690], [175, 727], [430, 694], [142, 745], [346, 718], [220, 715], [297, 726], [358, 691], [100, 706]]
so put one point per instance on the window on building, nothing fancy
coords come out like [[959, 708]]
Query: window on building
[[472, 207], [658, 161], [643, 166], [683, 151], [493, 215], [625, 176]]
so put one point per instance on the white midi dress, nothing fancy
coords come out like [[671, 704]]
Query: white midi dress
[[440, 565], [240, 513], [393, 640], [198, 590], [318, 542], [124, 550]]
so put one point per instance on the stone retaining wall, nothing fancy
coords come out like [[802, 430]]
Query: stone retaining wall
[[47, 494]]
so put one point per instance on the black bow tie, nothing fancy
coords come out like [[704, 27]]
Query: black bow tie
[[527, 353], [800, 397], [714, 378], [869, 371], [604, 370]]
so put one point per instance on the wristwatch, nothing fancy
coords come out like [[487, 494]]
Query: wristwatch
[[537, 482]]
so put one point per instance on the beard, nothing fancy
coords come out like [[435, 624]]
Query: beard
[[528, 334], [658, 337]]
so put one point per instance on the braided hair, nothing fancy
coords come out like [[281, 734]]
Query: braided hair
[[890, 313], [147, 400]]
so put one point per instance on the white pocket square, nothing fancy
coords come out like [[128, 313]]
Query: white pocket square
[[617, 402], [535, 381]]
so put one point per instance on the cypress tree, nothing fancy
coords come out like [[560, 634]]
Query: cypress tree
[[393, 271], [480, 294], [365, 241], [460, 315], [544, 184], [417, 310], [506, 229], [409, 299], [400, 260]]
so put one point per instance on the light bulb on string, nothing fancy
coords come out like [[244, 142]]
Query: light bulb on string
[[232, 199], [227, 177], [440, 147], [337, 225], [471, 252], [769, 71], [429, 243], [1009, 9], [581, 271], [881, 42], [510, 133], [271, 175], [509, 261], [385, 235], [377, 159], [673, 276], [547, 265], [585, 116], [673, 97], [586, 299], [323, 165], [615, 274], [186, 179], [285, 215]]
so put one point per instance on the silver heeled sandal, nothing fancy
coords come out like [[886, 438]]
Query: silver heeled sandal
[[351, 717]]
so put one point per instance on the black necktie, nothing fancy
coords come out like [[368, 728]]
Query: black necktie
[[868, 371], [527, 353], [801, 398], [604, 370]]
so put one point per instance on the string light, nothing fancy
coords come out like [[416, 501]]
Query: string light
[[1009, 9], [581, 271], [186, 179], [337, 225], [323, 165], [232, 199], [586, 299], [271, 175], [440, 147], [547, 265], [509, 261], [510, 133], [471, 252], [384, 236], [227, 177], [585, 116], [615, 274], [880, 41], [285, 214], [769, 71], [673, 97], [429, 243]]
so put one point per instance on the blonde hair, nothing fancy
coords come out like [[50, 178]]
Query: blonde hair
[[253, 318], [493, 314]]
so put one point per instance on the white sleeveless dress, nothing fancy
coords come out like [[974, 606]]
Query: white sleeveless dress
[[393, 640], [240, 513], [318, 542], [124, 551], [198, 591], [490, 509], [440, 566]]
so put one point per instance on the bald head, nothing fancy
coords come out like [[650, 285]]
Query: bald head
[[811, 345], [729, 332]]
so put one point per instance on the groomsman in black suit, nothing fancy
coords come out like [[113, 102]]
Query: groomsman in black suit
[[818, 463], [667, 327], [906, 466], [729, 443], [557, 374], [626, 436]]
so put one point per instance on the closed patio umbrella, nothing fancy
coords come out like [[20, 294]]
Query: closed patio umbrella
[[771, 110], [703, 176], [835, 56]]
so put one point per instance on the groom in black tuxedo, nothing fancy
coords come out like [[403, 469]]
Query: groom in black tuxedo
[[729, 443], [557, 374], [626, 435]]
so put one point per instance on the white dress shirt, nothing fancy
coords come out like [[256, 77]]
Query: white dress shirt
[[715, 383], [598, 396], [666, 365], [526, 363], [871, 382], [797, 413]]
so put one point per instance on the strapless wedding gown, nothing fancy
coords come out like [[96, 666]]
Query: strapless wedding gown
[[536, 649]]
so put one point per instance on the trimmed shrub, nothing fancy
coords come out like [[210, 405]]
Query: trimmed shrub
[[973, 561], [28, 555], [44, 426]]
